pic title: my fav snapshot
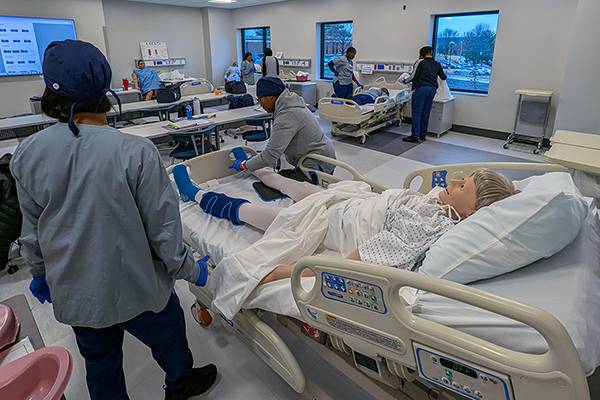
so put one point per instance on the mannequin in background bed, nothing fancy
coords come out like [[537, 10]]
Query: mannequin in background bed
[[145, 80]]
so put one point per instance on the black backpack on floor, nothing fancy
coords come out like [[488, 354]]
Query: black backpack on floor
[[10, 214]]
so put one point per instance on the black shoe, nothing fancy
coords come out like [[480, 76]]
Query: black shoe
[[423, 138], [411, 139], [199, 382]]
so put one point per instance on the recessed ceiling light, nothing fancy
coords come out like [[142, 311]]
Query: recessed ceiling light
[[222, 1]]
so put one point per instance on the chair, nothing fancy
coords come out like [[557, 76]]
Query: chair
[[192, 144], [259, 135]]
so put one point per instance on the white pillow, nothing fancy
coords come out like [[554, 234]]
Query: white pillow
[[536, 223]]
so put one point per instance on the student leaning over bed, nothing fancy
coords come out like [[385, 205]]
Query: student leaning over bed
[[295, 132], [394, 228]]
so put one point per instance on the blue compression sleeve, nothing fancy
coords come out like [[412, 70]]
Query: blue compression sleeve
[[187, 190], [222, 206]]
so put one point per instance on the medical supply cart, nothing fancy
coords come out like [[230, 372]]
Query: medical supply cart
[[307, 90], [531, 121]]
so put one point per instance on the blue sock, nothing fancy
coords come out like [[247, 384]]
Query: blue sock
[[222, 206], [187, 190]]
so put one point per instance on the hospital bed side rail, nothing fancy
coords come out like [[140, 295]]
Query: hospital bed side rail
[[326, 179], [556, 374], [343, 111], [460, 171], [211, 166]]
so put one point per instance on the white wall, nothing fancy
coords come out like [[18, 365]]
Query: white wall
[[89, 22], [531, 46], [129, 23], [221, 36], [580, 93]]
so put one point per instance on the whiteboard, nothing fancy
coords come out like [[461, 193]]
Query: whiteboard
[[154, 50]]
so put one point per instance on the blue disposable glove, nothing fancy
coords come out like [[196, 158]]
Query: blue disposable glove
[[203, 266], [239, 153], [360, 85], [39, 288], [238, 165]]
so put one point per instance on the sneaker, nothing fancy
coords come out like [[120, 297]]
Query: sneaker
[[199, 382], [423, 138], [411, 139]]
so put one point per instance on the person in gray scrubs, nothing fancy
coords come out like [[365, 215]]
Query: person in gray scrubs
[[248, 69], [102, 231], [295, 133], [270, 64], [343, 71]]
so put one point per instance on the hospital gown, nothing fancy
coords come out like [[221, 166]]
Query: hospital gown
[[412, 224]]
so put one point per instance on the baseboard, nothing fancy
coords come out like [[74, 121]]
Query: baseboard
[[470, 130]]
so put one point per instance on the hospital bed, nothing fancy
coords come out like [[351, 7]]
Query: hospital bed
[[199, 86], [529, 334], [350, 119]]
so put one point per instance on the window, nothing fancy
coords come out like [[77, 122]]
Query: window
[[336, 37], [255, 41], [464, 45]]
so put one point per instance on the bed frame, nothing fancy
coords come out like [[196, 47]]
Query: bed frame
[[381, 351], [349, 119]]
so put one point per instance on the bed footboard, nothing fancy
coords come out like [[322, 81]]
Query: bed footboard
[[386, 330]]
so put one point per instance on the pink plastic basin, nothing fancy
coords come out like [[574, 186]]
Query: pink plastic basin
[[9, 326], [41, 375]]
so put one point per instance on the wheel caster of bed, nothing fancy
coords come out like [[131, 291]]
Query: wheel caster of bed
[[12, 269], [363, 140], [202, 315], [536, 151], [506, 146]]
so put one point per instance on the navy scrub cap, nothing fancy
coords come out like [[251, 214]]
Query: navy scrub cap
[[269, 86], [79, 71]]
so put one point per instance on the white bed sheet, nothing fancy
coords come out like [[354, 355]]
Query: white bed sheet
[[567, 285]]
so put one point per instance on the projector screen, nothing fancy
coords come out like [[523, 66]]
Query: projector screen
[[23, 41]]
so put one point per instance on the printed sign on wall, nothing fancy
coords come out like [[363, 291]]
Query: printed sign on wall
[[154, 50]]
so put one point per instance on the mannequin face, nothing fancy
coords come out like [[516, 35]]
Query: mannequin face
[[461, 194]]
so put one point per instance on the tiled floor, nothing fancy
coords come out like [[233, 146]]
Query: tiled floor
[[243, 375]]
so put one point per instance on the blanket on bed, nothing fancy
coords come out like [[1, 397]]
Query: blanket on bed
[[342, 216]]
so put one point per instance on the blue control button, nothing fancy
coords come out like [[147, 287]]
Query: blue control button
[[329, 285], [336, 287]]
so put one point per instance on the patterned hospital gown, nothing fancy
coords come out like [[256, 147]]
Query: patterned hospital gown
[[413, 222]]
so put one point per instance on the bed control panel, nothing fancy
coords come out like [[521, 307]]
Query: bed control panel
[[438, 178], [350, 291], [467, 379]]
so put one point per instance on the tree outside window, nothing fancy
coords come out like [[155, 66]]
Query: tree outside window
[[255, 41], [464, 45], [336, 37]]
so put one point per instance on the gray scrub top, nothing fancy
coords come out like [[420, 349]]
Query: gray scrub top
[[344, 70], [101, 220]]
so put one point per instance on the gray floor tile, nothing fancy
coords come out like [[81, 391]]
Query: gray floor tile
[[385, 142], [393, 172], [437, 153]]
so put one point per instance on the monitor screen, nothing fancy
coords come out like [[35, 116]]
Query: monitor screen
[[23, 41]]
